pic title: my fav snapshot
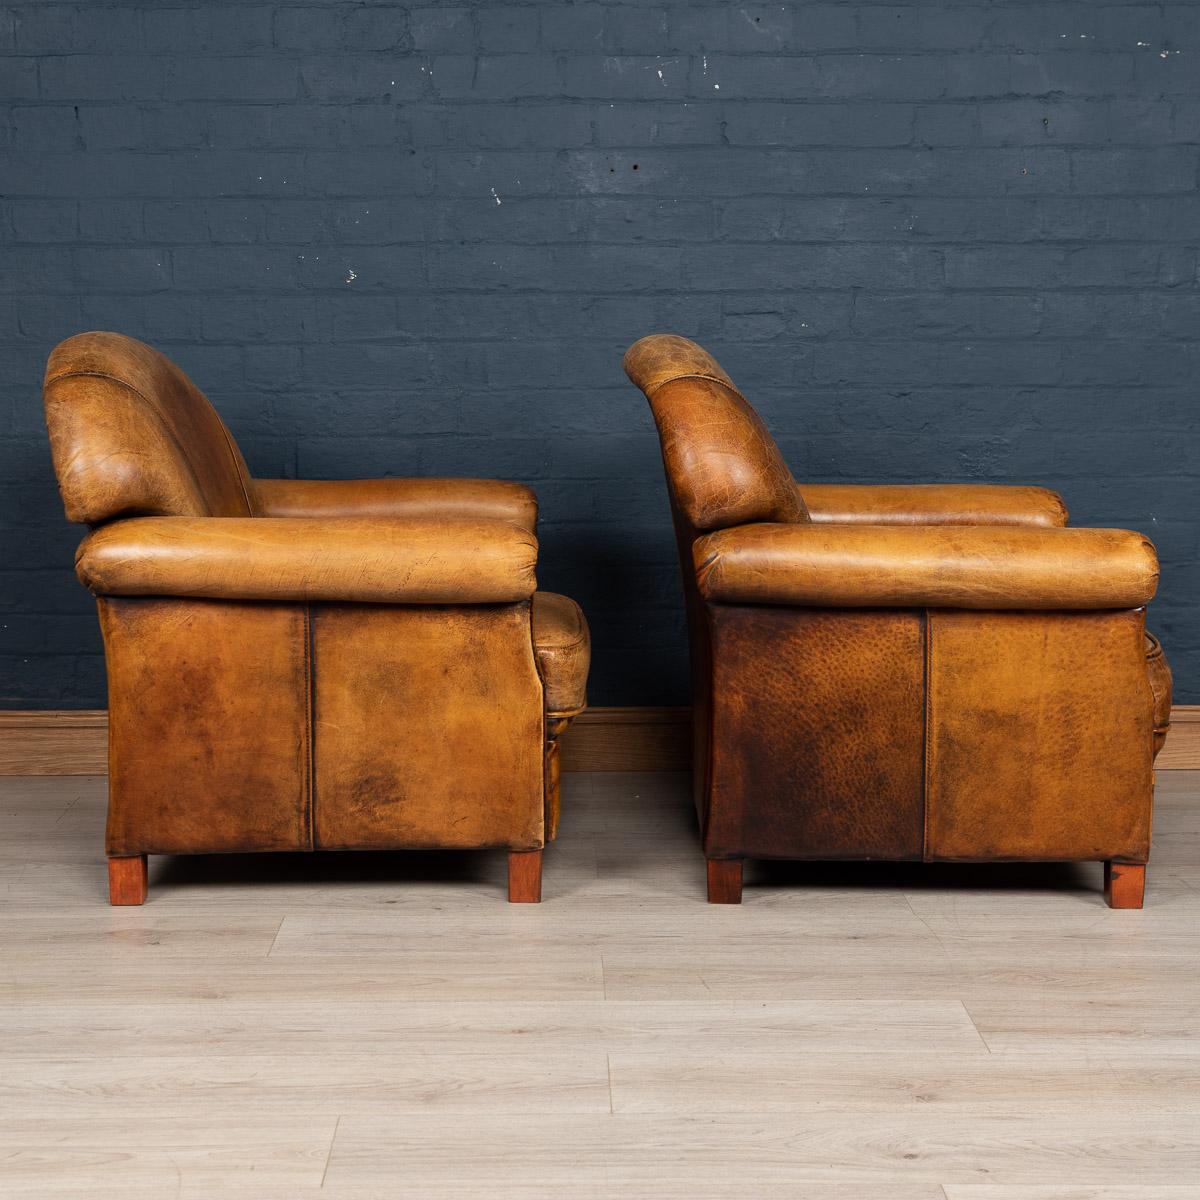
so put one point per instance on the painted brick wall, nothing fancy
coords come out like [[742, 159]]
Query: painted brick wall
[[933, 241]]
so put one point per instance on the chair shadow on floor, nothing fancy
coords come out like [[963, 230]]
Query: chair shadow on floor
[[671, 840], [454, 868], [485, 870], [1057, 877]]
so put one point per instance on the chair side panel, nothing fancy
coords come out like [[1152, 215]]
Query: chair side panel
[[1040, 736], [818, 733], [428, 727], [208, 726]]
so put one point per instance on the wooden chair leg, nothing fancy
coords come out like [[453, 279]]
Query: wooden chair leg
[[1124, 884], [127, 879], [524, 877], [724, 881]]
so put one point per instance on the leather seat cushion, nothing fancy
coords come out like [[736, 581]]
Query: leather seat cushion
[[1160, 685], [564, 651]]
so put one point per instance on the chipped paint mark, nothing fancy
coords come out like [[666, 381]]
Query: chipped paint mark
[[352, 276], [496, 198]]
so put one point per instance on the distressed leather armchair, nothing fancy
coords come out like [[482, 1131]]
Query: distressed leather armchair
[[932, 673], [305, 665]]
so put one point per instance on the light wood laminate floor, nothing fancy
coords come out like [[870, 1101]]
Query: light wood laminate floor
[[388, 1026]]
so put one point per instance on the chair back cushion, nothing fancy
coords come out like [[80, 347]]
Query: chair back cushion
[[131, 435], [722, 465]]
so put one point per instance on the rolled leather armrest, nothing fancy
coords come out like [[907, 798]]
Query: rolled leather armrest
[[874, 566], [933, 504], [482, 499], [371, 560]]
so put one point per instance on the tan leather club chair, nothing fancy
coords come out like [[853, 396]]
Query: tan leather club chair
[[305, 665], [936, 673]]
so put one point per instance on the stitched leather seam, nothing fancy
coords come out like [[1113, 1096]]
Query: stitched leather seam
[[308, 830], [156, 408], [698, 375], [548, 738], [237, 470], [551, 646], [152, 405], [537, 658], [925, 799]]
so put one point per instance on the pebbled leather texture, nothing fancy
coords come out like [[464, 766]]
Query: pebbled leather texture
[[563, 647], [818, 733], [399, 499], [932, 504], [295, 665], [722, 464], [328, 558], [932, 566]]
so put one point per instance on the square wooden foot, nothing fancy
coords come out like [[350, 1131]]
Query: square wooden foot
[[724, 881], [524, 877], [127, 880], [1124, 884]]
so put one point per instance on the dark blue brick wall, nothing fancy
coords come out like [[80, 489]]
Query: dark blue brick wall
[[933, 241]]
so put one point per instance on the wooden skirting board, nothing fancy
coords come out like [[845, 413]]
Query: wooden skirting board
[[49, 742], [75, 742]]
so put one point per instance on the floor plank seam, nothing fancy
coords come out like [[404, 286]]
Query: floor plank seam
[[978, 1031], [933, 932], [74, 801], [278, 930], [329, 1155]]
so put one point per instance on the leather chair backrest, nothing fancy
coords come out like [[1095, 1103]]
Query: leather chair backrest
[[722, 465], [131, 435]]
